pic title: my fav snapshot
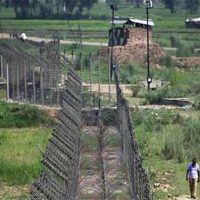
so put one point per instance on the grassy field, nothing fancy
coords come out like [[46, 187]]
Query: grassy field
[[23, 139], [163, 138], [20, 155], [167, 139], [21, 151], [166, 25]]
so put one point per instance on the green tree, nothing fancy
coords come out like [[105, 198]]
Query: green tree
[[171, 5], [192, 5], [70, 5], [21, 8], [88, 4]]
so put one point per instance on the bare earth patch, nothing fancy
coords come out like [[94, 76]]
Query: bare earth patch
[[9, 192]]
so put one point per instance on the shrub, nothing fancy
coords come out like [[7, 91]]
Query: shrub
[[184, 51], [197, 102], [173, 147], [166, 61], [155, 97], [191, 140], [154, 120], [175, 41], [14, 115]]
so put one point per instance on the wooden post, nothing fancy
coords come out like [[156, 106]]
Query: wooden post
[[17, 80], [109, 75], [81, 75], [51, 85], [41, 86], [34, 93], [13, 82], [90, 63], [2, 66], [25, 81], [99, 80], [7, 82]]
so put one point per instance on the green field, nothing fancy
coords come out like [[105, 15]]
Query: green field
[[166, 25], [167, 139]]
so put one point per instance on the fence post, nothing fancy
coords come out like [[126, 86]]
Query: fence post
[[2, 66], [90, 76], [34, 92], [7, 82], [109, 75]]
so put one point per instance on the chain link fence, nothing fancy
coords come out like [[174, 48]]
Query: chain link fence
[[59, 179], [32, 70], [36, 73], [138, 178]]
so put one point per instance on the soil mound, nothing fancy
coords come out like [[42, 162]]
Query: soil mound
[[135, 50]]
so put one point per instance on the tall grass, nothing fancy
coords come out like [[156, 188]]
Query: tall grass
[[167, 134], [2, 93], [20, 154], [15, 115]]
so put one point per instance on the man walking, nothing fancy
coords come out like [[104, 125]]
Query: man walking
[[192, 175]]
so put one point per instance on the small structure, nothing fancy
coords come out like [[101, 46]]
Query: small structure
[[192, 23], [129, 41], [122, 29], [23, 36]]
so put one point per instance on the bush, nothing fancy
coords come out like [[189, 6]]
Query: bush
[[184, 51], [154, 120], [166, 61], [191, 139], [197, 102], [175, 41], [173, 144], [14, 115], [155, 97]]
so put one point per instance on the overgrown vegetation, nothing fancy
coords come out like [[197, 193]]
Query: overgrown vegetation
[[23, 137], [177, 136], [21, 153], [15, 115], [168, 140]]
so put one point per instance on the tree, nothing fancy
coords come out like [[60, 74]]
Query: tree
[[171, 4], [70, 5], [192, 5], [88, 4], [21, 8]]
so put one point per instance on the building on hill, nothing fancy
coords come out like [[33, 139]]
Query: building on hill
[[192, 23], [129, 41]]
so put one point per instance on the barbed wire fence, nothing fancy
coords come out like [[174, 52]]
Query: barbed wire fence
[[35, 72], [38, 78], [59, 179], [139, 185]]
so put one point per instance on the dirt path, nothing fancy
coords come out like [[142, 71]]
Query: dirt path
[[183, 197], [91, 179]]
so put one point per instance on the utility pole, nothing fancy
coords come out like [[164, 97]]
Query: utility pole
[[148, 5], [112, 64]]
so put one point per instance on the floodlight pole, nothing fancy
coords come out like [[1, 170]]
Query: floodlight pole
[[148, 5], [113, 8], [148, 61]]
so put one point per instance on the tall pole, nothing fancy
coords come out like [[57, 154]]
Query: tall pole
[[148, 4], [113, 8], [1, 66], [7, 83], [112, 41], [148, 61]]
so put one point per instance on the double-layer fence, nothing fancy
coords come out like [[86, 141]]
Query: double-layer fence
[[59, 179], [41, 78], [138, 178], [33, 72]]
